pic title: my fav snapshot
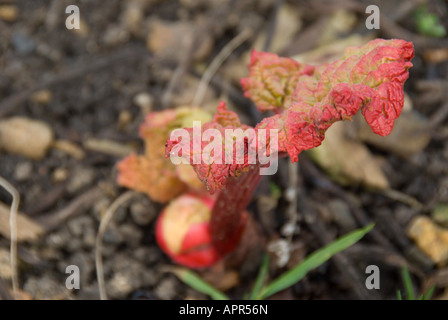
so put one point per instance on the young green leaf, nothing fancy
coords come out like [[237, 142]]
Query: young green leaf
[[409, 289], [313, 261], [193, 280], [428, 294], [261, 277]]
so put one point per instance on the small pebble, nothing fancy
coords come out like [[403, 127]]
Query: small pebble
[[128, 275], [80, 178], [112, 235], [115, 35], [22, 43], [42, 97], [131, 234], [57, 239], [145, 101], [9, 13], [166, 289], [341, 215], [430, 238], [23, 171], [78, 226], [60, 174], [124, 119], [46, 287], [26, 137], [142, 212], [281, 249]]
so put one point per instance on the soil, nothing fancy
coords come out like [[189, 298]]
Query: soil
[[97, 83]]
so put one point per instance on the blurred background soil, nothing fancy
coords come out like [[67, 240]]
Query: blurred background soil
[[81, 95]]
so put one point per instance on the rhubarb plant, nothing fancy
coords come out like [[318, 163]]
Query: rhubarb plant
[[206, 216], [306, 101]]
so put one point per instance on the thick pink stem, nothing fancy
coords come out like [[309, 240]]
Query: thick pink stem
[[229, 215]]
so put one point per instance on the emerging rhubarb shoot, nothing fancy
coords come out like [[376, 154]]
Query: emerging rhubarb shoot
[[206, 217], [306, 101]]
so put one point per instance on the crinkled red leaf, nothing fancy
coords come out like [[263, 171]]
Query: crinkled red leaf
[[215, 173], [369, 78], [272, 80]]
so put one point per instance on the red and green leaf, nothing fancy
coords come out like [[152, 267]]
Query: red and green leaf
[[152, 173], [272, 80], [369, 78]]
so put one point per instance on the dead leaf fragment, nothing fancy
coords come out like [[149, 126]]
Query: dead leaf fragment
[[289, 23], [9, 13], [171, 40], [436, 55], [42, 97], [69, 148], [430, 238], [5, 264], [348, 161], [408, 137], [27, 229], [107, 146]]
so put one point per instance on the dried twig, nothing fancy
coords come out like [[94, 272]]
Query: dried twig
[[53, 220], [106, 219], [13, 227], [217, 62], [438, 117], [291, 193], [272, 25], [403, 198], [179, 72]]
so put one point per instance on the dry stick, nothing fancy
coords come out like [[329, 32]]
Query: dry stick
[[53, 220], [106, 219], [403, 198], [439, 116], [289, 227], [272, 25], [179, 73], [243, 104], [217, 62], [4, 291], [433, 84], [13, 226]]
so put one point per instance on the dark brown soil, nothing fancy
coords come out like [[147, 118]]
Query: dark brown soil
[[94, 76]]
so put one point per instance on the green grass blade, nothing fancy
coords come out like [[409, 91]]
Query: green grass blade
[[428, 294], [261, 277], [313, 261], [408, 287], [194, 281], [399, 297]]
